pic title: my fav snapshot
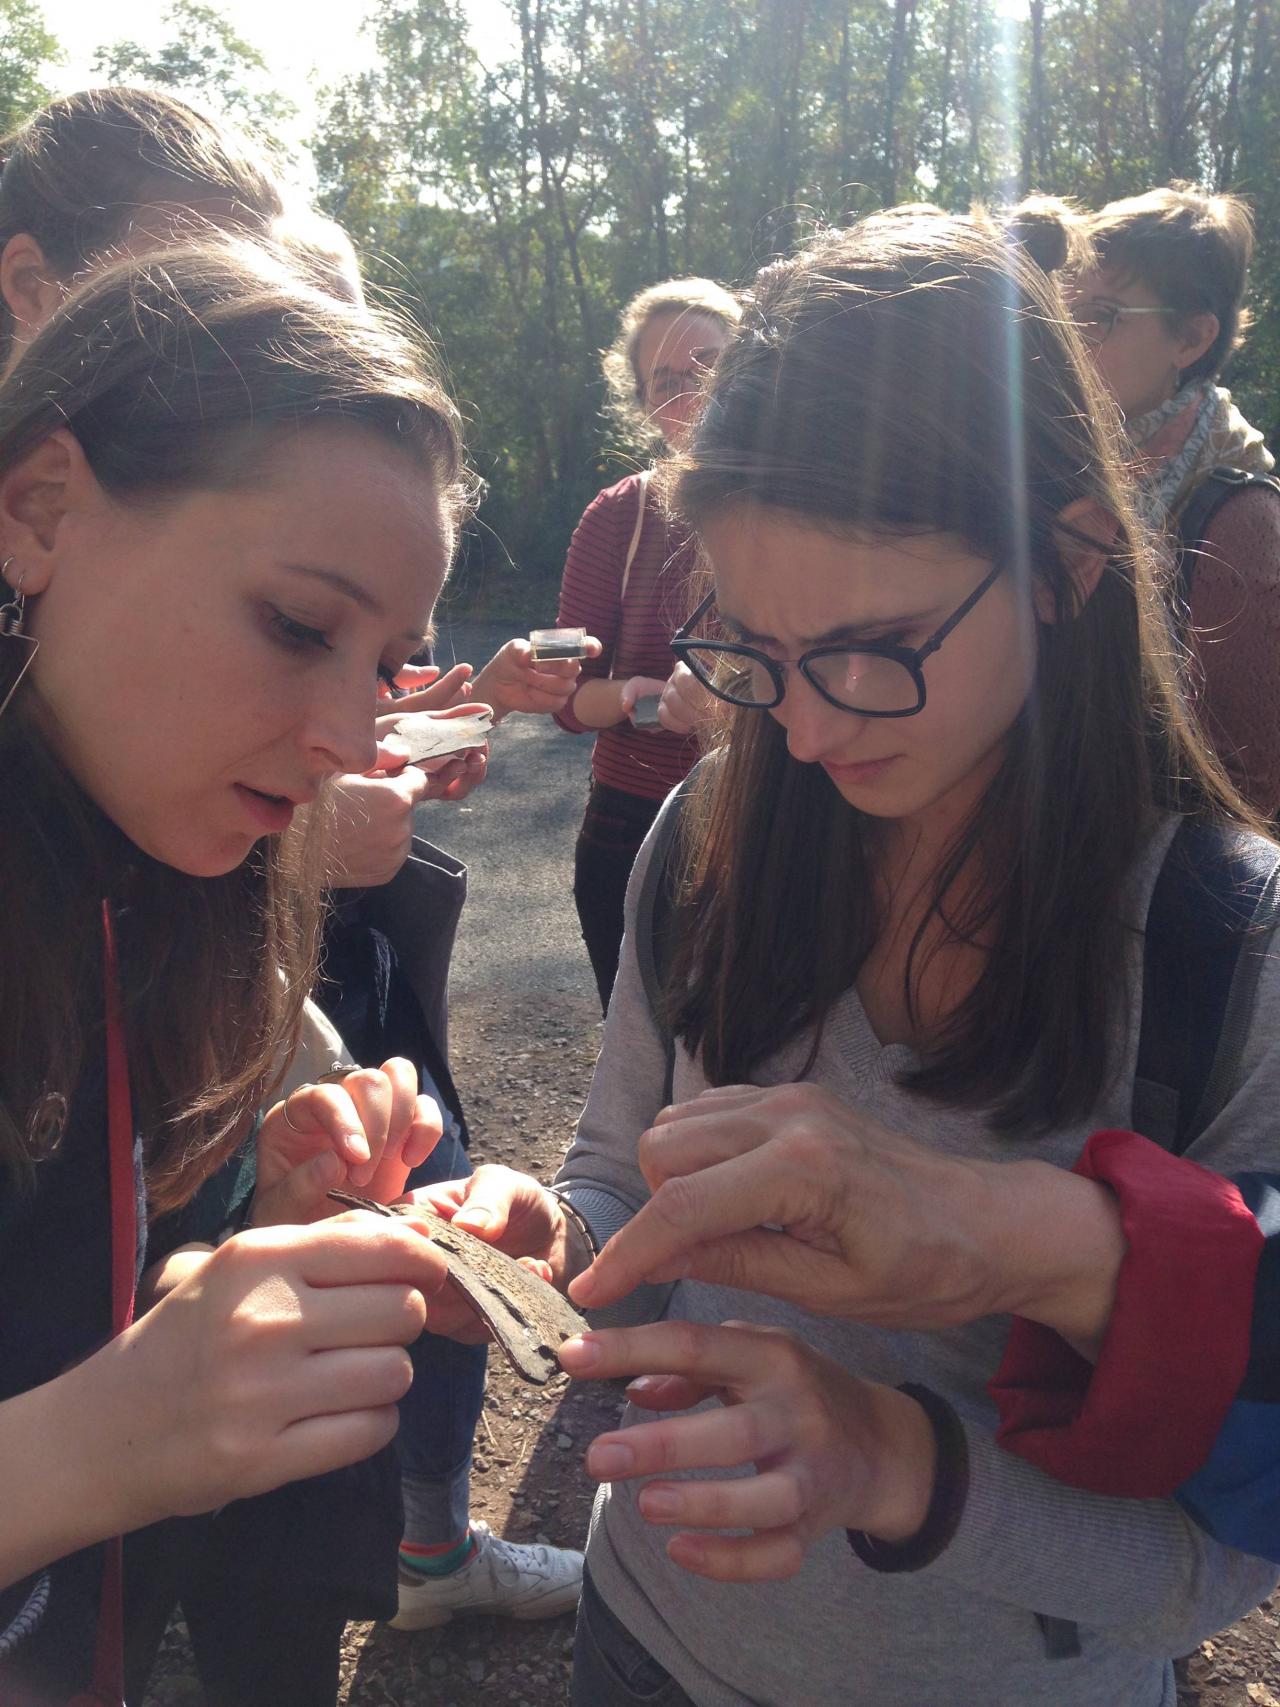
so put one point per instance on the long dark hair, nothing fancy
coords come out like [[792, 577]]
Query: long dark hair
[[920, 373], [79, 171], [176, 374]]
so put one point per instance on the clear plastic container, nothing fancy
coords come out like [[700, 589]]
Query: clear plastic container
[[558, 642]]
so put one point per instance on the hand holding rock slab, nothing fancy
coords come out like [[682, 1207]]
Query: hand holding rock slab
[[528, 1318], [429, 736]]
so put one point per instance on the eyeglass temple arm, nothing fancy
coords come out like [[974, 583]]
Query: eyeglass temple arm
[[932, 644], [682, 633]]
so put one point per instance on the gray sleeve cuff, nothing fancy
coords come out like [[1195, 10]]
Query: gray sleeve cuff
[[605, 1214]]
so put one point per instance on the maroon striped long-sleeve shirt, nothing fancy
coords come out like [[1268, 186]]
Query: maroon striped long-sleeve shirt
[[636, 639]]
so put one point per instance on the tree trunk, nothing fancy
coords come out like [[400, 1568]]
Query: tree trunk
[[944, 116], [1231, 117], [1033, 174], [894, 89]]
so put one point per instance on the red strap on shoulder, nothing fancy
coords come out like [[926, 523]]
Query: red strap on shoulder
[[108, 1668], [1144, 1418]]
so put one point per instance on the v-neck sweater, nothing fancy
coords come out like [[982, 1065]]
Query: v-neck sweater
[[1137, 1577]]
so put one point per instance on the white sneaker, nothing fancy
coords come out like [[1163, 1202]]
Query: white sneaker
[[503, 1577]]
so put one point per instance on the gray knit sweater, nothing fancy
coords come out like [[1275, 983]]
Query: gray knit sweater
[[1137, 1576]]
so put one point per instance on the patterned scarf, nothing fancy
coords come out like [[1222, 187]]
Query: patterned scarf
[[1176, 445]]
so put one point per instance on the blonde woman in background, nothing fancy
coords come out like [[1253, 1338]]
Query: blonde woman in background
[[627, 581]]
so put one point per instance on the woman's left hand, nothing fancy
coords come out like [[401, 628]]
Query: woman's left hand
[[828, 1450], [451, 777], [366, 1132]]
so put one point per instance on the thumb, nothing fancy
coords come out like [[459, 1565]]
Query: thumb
[[414, 676], [302, 1195], [393, 752], [486, 1208]]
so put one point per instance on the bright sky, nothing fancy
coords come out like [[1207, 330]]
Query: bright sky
[[306, 45]]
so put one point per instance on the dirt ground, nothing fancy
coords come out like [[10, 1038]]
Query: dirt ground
[[524, 1073]]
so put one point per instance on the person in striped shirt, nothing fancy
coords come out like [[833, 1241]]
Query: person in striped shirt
[[627, 581]]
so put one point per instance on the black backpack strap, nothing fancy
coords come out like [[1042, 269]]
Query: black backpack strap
[[655, 931], [1200, 509], [1209, 927]]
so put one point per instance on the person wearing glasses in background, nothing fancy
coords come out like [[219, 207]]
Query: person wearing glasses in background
[[1160, 307]]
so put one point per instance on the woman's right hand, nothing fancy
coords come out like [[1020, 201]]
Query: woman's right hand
[[513, 1212], [637, 688], [281, 1356], [787, 1191]]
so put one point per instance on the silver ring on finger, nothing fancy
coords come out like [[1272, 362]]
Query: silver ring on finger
[[288, 1122]]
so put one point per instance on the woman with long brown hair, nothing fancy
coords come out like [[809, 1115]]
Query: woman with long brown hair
[[227, 504], [910, 892], [118, 170]]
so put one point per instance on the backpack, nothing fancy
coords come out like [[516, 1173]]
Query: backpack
[[1198, 512], [1216, 889]]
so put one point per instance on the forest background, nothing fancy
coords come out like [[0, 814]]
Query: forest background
[[513, 204]]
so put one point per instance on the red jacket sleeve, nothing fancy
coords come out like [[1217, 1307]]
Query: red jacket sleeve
[[591, 590], [1235, 610], [1145, 1417]]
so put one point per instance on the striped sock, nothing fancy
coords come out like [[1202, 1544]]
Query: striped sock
[[441, 1560]]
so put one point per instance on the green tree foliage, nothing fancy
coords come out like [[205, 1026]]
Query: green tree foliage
[[204, 55], [518, 204], [26, 48]]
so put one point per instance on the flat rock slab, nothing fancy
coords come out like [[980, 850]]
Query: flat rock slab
[[529, 1319], [429, 736]]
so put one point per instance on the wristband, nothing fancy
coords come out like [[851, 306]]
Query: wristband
[[946, 1502], [578, 1219]]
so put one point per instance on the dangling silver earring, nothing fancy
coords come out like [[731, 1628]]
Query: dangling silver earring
[[16, 648]]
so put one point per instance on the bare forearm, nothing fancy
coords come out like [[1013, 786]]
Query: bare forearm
[[63, 1484], [598, 703]]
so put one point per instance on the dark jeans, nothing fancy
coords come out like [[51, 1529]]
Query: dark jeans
[[612, 830], [265, 1624], [439, 1413], [610, 1668], [369, 998]]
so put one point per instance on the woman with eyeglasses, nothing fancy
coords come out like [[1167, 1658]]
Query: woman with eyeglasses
[[627, 581], [909, 902], [1160, 309]]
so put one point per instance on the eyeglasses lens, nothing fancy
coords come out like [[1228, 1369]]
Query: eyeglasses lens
[[865, 681], [1095, 325], [858, 681], [734, 677]]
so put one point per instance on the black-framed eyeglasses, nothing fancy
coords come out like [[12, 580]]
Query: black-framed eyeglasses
[[872, 680], [1096, 321]]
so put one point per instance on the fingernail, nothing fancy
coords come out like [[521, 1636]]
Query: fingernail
[[357, 1146], [474, 1219], [646, 1383], [660, 1504], [581, 1353], [583, 1286], [607, 1462], [330, 1168]]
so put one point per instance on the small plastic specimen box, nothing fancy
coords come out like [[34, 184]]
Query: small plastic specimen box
[[558, 642]]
